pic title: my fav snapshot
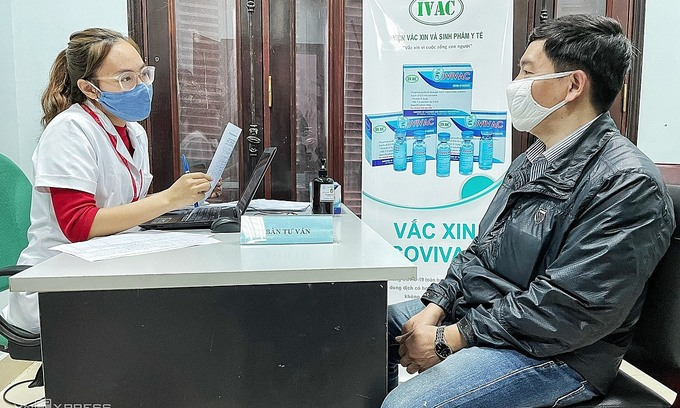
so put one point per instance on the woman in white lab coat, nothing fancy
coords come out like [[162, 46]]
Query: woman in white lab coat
[[91, 162]]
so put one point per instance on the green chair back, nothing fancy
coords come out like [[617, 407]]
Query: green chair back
[[15, 202]]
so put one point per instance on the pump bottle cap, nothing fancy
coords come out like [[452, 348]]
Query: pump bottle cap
[[323, 172]]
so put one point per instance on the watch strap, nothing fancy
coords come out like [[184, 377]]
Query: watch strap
[[441, 347]]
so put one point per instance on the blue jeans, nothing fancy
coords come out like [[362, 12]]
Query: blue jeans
[[481, 377]]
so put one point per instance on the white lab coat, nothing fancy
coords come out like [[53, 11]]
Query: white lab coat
[[74, 152]]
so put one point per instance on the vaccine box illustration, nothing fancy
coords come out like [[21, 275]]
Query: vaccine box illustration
[[379, 136], [436, 89], [475, 121]]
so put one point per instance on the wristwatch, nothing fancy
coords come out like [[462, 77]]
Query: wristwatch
[[440, 347]]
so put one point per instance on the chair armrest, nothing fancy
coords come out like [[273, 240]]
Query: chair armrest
[[13, 270], [18, 335], [22, 345], [12, 333]]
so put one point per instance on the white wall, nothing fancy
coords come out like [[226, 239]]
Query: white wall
[[9, 127], [33, 33], [659, 129]]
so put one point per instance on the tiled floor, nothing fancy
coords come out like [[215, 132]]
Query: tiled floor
[[12, 371]]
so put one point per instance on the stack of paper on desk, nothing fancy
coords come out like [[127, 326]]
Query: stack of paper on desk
[[133, 243], [261, 204]]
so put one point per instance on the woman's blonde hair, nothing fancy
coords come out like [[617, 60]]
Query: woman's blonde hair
[[82, 58]]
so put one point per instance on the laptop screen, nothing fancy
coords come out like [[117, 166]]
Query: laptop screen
[[256, 178]]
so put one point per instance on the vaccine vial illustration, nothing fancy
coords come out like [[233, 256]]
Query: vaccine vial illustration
[[444, 155], [419, 164], [486, 150], [467, 150], [399, 156]]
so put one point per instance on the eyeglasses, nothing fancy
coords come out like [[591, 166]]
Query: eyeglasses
[[128, 79]]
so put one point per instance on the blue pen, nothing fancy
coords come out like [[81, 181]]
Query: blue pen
[[185, 164]]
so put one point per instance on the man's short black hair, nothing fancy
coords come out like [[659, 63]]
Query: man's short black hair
[[594, 44]]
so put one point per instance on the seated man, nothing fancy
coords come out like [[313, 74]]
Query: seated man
[[539, 310]]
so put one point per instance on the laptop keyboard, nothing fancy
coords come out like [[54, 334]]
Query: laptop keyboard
[[205, 213]]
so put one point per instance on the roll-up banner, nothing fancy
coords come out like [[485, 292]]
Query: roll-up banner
[[436, 130]]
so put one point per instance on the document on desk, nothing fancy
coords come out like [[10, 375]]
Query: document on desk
[[133, 243], [222, 155], [262, 204], [274, 206]]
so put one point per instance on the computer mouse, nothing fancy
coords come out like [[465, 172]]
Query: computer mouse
[[225, 224]]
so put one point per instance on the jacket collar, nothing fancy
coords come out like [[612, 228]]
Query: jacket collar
[[563, 173]]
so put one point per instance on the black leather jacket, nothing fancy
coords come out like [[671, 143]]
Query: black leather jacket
[[560, 266]]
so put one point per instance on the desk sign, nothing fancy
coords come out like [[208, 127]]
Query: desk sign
[[286, 229]]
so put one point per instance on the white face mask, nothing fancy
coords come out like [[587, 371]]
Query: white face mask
[[526, 112]]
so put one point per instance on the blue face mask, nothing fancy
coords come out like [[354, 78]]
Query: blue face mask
[[131, 106]]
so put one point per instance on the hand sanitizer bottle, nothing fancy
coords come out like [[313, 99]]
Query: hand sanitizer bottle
[[399, 157], [323, 192], [444, 155], [419, 165], [467, 150], [486, 150]]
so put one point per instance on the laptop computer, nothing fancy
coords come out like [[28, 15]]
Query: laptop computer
[[203, 217]]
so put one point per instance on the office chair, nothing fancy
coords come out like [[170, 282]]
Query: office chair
[[15, 201], [656, 341]]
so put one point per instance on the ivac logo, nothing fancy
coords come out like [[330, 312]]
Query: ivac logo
[[379, 128], [411, 78], [445, 124], [436, 12]]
